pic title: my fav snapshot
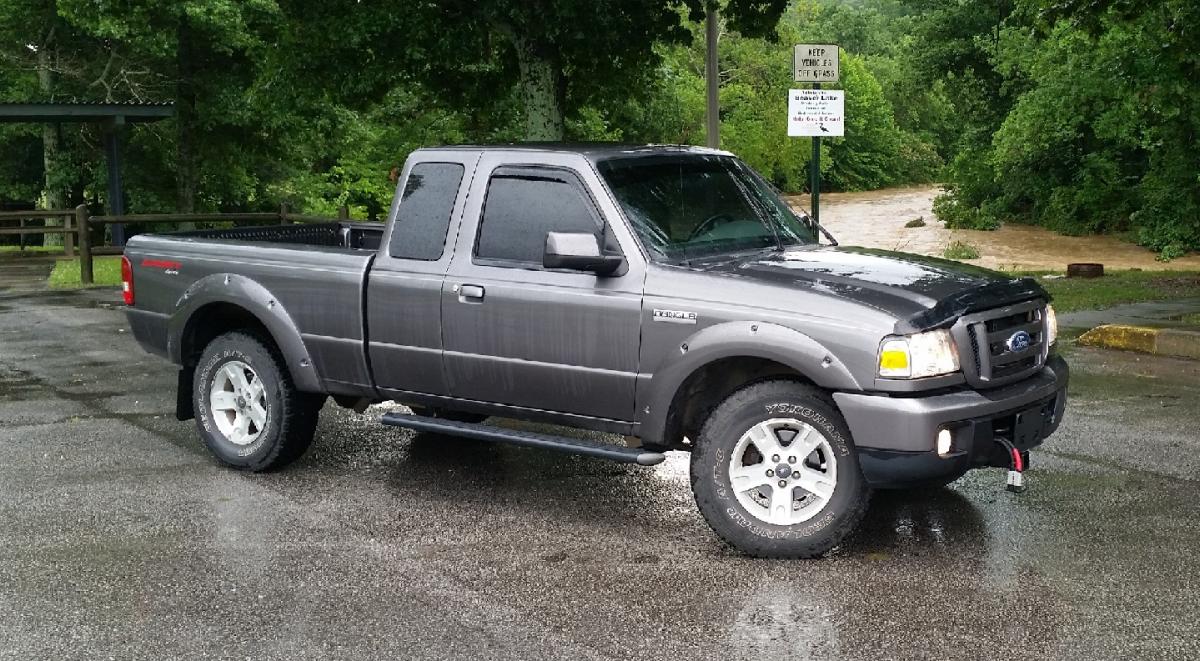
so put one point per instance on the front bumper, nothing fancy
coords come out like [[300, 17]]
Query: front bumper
[[897, 436]]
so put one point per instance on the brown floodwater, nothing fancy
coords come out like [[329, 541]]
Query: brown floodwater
[[876, 219]]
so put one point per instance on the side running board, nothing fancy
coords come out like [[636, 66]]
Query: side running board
[[482, 432]]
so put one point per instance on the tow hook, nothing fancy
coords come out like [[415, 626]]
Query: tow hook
[[1016, 467]]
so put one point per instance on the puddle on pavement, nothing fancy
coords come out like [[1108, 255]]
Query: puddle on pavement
[[876, 219], [17, 385]]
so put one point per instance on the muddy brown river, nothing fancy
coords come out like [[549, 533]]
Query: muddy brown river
[[876, 219]]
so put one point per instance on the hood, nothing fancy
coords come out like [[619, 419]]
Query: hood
[[922, 292]]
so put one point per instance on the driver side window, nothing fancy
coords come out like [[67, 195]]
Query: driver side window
[[522, 206]]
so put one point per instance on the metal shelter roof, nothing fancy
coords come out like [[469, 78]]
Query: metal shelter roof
[[85, 112], [111, 117]]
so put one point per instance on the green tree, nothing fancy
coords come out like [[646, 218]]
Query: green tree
[[1078, 116], [557, 55]]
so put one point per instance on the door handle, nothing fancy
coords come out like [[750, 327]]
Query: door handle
[[469, 293]]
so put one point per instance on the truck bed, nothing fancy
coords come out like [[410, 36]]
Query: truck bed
[[315, 272]]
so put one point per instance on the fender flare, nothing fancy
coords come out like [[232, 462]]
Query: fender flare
[[258, 301], [734, 339]]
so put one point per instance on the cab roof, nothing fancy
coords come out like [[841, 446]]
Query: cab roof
[[595, 151]]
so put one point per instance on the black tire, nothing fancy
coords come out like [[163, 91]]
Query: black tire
[[291, 416], [714, 493], [457, 416]]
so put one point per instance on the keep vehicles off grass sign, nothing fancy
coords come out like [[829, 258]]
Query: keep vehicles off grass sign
[[816, 113], [815, 63]]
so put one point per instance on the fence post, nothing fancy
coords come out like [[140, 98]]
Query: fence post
[[343, 212], [283, 214], [69, 237], [85, 244]]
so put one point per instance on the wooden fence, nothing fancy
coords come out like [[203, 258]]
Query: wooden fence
[[22, 229], [77, 224]]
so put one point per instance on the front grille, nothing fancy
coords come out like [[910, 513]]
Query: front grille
[[987, 336]]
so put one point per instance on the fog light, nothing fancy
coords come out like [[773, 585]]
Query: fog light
[[943, 442]]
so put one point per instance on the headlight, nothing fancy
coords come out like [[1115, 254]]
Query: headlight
[[916, 356], [1051, 326]]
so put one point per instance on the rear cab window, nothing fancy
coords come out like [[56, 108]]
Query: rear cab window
[[423, 218]]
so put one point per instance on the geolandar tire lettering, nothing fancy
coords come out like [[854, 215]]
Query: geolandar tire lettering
[[775, 474], [248, 411]]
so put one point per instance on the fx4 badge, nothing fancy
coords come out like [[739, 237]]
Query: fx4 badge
[[675, 316]]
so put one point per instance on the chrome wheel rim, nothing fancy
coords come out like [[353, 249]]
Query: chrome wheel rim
[[238, 403], [783, 471]]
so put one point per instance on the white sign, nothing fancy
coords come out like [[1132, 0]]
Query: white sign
[[817, 113], [815, 63]]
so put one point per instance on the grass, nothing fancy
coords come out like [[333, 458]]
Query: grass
[[106, 272], [960, 250], [1119, 287], [33, 249]]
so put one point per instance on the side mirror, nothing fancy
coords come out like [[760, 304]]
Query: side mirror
[[578, 251]]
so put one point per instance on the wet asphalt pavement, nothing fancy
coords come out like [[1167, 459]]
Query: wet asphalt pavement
[[121, 538]]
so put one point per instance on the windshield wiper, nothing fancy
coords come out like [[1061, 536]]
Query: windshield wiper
[[756, 204]]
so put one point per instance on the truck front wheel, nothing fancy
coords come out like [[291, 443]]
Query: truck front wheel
[[248, 411], [775, 474]]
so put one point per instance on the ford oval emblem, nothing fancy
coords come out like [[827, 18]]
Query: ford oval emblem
[[1020, 340]]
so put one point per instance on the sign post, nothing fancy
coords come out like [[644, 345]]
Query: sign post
[[815, 113], [815, 163]]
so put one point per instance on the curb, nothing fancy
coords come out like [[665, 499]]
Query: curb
[[1159, 341]]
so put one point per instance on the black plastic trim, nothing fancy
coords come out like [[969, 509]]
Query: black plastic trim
[[992, 295], [883, 469]]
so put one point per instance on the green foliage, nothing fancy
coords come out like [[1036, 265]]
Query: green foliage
[[867, 157], [960, 250], [756, 74], [950, 208], [1081, 118], [271, 109]]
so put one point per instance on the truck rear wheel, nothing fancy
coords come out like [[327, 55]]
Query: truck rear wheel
[[248, 411], [775, 474]]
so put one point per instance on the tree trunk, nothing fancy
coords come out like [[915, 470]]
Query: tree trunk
[[52, 188], [185, 121], [542, 90]]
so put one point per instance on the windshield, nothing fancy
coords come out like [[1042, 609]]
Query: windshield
[[685, 206]]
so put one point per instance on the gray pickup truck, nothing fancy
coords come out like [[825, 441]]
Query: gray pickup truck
[[663, 294]]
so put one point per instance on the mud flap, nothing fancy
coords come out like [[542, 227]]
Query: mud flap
[[184, 410]]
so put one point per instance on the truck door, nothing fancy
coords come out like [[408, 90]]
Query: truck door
[[404, 286], [524, 336]]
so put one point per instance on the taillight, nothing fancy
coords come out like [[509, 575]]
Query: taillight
[[127, 280]]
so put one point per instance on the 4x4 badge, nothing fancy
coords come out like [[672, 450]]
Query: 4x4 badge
[[675, 316]]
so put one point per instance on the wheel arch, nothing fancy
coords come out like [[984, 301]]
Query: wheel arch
[[221, 303], [719, 360]]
